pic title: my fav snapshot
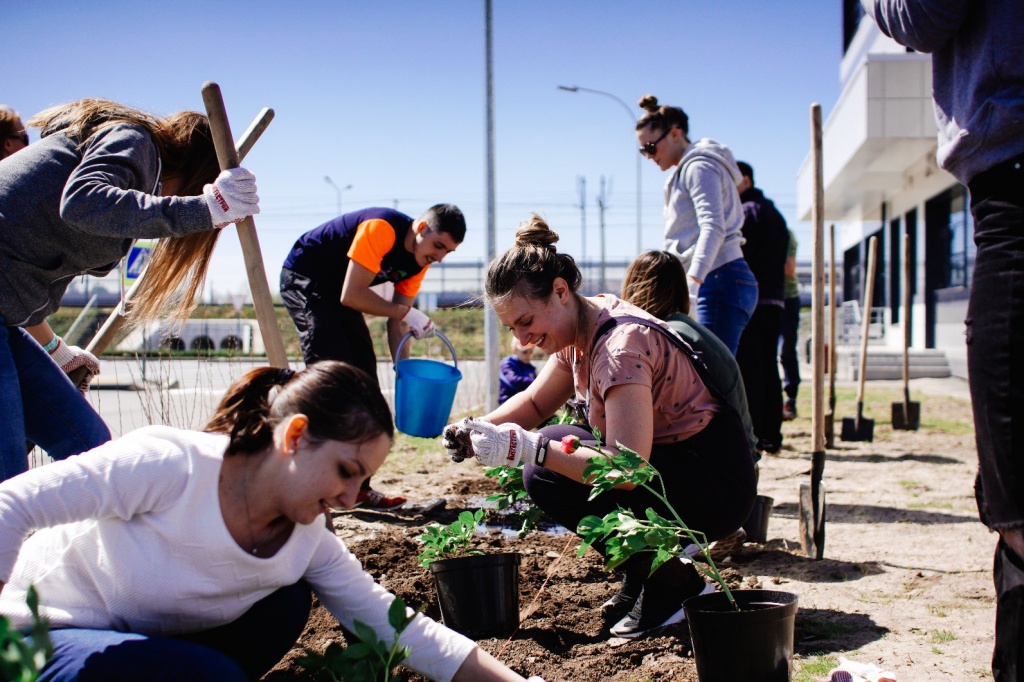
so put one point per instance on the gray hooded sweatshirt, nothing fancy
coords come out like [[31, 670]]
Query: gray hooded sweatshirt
[[703, 212], [67, 211]]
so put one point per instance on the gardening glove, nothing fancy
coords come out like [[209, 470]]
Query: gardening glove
[[497, 445], [419, 324], [232, 196], [456, 439], [70, 358]]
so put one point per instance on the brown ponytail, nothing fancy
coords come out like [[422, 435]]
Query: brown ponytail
[[339, 400]]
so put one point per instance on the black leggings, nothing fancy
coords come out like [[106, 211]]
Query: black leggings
[[709, 479]]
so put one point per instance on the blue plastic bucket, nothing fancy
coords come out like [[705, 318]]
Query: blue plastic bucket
[[424, 392]]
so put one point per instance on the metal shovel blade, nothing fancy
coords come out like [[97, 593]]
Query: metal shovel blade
[[812, 521], [906, 416], [859, 428]]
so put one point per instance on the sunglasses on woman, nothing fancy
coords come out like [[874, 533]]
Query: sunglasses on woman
[[649, 148]]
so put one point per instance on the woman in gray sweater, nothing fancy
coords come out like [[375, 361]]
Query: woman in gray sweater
[[101, 176], [703, 219]]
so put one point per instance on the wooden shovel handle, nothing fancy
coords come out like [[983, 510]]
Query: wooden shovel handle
[[227, 155], [869, 294], [818, 287]]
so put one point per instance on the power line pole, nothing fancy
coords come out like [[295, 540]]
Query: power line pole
[[490, 319], [581, 185], [601, 205]]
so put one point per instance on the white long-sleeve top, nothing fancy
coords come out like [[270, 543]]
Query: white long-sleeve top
[[130, 537]]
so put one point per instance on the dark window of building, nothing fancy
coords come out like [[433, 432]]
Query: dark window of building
[[961, 239], [853, 12], [896, 272]]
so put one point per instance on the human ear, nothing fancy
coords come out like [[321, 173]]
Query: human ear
[[294, 428]]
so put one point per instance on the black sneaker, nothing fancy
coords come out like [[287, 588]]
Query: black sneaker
[[664, 592], [637, 569]]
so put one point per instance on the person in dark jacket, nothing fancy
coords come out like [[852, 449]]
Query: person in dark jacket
[[100, 176], [767, 241], [978, 89]]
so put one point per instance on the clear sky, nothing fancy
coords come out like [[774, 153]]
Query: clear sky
[[388, 96]]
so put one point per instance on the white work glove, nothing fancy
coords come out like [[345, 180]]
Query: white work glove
[[497, 445], [419, 324], [456, 439], [232, 196], [70, 358]]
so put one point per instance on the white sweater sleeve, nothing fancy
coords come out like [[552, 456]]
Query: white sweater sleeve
[[137, 473], [351, 594]]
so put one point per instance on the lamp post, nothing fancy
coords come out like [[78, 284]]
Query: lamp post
[[327, 179], [632, 116]]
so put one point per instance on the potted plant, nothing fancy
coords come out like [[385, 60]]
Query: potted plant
[[736, 634], [478, 593]]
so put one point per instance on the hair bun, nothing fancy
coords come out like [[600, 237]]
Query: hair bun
[[649, 103], [535, 232]]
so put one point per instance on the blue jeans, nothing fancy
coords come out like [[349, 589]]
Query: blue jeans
[[237, 652], [39, 403], [726, 300]]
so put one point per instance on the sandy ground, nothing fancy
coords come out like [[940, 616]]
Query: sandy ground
[[905, 583]]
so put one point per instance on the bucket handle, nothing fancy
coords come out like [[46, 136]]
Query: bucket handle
[[438, 334]]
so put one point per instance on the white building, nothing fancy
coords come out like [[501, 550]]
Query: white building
[[881, 179]]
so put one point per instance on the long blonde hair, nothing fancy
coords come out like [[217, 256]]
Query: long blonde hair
[[178, 267]]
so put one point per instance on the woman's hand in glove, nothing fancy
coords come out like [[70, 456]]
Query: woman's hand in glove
[[506, 444]]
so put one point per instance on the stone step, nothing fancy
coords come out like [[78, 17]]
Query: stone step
[[888, 364]]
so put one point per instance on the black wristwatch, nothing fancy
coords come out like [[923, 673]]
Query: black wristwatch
[[542, 451]]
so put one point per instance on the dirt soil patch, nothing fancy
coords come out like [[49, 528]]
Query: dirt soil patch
[[905, 582]]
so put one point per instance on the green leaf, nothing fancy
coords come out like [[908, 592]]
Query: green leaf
[[398, 615]]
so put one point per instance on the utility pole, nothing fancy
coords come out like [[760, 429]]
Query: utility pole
[[601, 205], [490, 319], [581, 185]]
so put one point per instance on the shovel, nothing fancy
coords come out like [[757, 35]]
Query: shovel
[[862, 428], [830, 440], [812, 495], [906, 416]]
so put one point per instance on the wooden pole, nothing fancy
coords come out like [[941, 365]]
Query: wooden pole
[[227, 155]]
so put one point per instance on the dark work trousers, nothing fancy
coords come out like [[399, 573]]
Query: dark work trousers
[[758, 358], [995, 334], [788, 351], [327, 329], [709, 479]]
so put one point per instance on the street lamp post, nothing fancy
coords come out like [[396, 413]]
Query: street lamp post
[[632, 116], [327, 179]]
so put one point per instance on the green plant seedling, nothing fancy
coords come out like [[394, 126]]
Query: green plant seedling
[[513, 496], [624, 534], [367, 660], [453, 540], [21, 661]]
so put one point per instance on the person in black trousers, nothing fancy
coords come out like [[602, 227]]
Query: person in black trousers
[[767, 242]]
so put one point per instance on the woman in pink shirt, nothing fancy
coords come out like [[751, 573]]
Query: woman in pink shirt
[[642, 388]]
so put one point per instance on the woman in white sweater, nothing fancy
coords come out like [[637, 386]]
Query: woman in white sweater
[[703, 219], [170, 554]]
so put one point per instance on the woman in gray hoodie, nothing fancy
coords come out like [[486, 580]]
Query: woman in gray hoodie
[[703, 219], [101, 175]]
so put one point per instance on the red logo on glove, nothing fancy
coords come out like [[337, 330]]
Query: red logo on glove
[[220, 199], [512, 440]]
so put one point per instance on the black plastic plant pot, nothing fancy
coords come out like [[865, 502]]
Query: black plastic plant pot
[[754, 643], [479, 595]]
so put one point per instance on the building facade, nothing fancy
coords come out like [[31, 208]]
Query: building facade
[[881, 179]]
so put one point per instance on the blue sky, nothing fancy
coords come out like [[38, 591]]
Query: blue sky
[[389, 97]]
